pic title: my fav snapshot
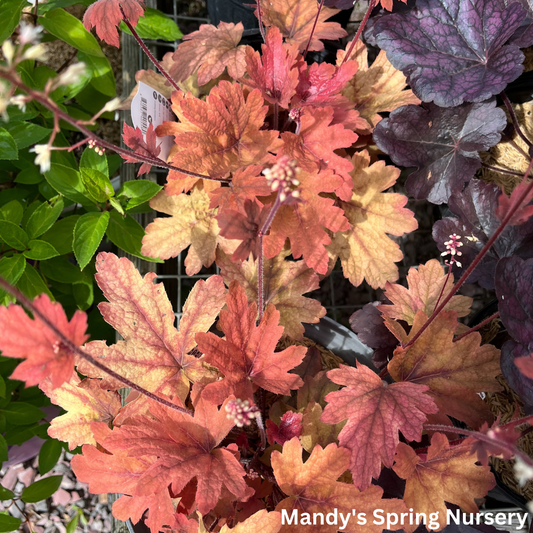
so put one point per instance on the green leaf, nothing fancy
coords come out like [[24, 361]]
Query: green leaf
[[67, 181], [2, 387], [88, 235], [62, 270], [9, 523], [10, 11], [12, 212], [21, 413], [73, 524], [49, 455], [98, 186], [31, 284], [155, 25], [127, 234], [103, 78], [139, 191], [90, 159], [54, 4], [117, 205], [11, 269], [44, 217], [3, 449], [61, 234], [5, 494], [68, 28], [13, 235], [25, 133], [29, 176], [40, 490], [40, 250], [8, 146], [83, 294]]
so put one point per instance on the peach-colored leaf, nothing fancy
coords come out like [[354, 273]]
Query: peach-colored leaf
[[312, 487], [454, 371], [284, 283], [295, 20], [191, 223], [260, 522], [84, 402], [366, 251], [426, 286], [208, 51], [447, 474], [376, 413]]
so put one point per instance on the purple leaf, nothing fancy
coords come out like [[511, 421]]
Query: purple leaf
[[476, 223], [523, 36], [514, 289], [340, 4], [454, 51], [442, 143], [522, 385], [369, 326]]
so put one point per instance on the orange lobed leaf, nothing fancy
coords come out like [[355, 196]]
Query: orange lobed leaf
[[84, 402], [208, 51], [185, 448], [445, 475], [387, 4], [313, 488], [273, 71], [246, 356], [365, 250], [105, 16], [117, 472], [427, 285], [284, 282], [191, 223], [376, 413], [219, 135], [260, 522], [295, 20], [454, 371], [305, 223], [313, 148], [375, 89], [30, 339], [153, 353]]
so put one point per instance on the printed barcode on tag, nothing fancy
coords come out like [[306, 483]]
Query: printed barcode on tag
[[144, 115]]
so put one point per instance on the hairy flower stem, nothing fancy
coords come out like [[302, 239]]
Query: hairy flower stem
[[514, 118], [28, 304], [262, 431], [444, 285], [516, 203], [359, 30], [45, 101], [504, 445], [313, 30], [149, 54], [260, 20], [260, 274], [479, 326], [502, 170]]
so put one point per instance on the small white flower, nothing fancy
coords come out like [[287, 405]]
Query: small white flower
[[9, 51], [522, 471], [29, 34], [4, 101], [112, 105], [37, 52], [43, 152], [72, 74], [19, 101]]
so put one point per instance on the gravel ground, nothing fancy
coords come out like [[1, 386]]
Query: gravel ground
[[52, 515]]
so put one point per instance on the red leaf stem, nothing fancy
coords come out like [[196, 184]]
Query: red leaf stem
[[479, 326], [313, 30], [359, 30]]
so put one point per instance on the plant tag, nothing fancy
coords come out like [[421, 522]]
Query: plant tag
[[151, 107]]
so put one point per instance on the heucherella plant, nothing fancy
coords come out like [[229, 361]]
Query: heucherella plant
[[277, 170]]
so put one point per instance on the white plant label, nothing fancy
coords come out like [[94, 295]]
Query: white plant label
[[151, 107]]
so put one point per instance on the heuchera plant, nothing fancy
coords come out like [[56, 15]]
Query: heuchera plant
[[274, 176]]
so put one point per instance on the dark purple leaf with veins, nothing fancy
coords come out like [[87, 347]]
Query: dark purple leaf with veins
[[523, 36], [442, 143], [476, 223], [514, 290], [454, 51]]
